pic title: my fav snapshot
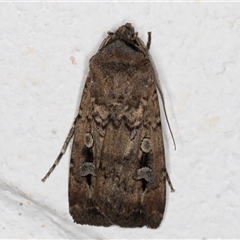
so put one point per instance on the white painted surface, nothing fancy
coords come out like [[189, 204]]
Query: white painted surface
[[45, 48]]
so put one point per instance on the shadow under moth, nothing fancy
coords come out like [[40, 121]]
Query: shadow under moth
[[117, 172]]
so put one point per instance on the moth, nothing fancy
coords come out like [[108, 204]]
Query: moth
[[117, 172]]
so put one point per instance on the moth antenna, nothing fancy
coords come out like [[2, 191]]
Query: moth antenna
[[149, 40], [63, 150], [156, 79], [169, 182], [165, 113]]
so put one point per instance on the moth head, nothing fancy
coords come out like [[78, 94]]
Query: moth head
[[125, 33]]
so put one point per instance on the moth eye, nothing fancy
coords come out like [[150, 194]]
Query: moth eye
[[146, 145], [88, 140], [145, 173], [87, 169]]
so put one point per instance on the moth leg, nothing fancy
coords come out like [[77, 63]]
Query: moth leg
[[149, 40], [63, 150], [169, 182]]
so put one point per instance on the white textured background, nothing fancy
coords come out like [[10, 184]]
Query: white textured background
[[44, 53]]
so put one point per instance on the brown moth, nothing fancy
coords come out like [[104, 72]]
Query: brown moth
[[117, 169]]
